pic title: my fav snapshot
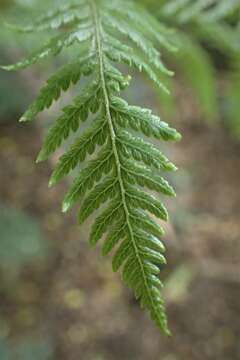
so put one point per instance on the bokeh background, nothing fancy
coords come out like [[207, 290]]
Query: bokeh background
[[58, 298]]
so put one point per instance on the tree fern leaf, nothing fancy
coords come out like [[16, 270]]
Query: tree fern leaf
[[107, 218], [148, 240], [107, 189], [85, 144], [174, 6], [133, 59], [115, 76], [52, 47], [153, 256], [151, 69], [92, 173], [69, 121], [148, 202], [141, 150], [146, 25], [63, 16], [117, 233], [220, 36], [151, 268], [144, 62], [196, 66], [192, 11], [199, 11], [141, 219], [155, 281], [136, 37], [145, 177], [60, 81], [123, 252], [131, 277], [221, 10], [142, 120], [111, 42], [151, 54]]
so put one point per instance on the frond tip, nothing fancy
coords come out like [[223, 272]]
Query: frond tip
[[123, 166]]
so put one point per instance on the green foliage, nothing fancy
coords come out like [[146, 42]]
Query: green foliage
[[206, 31], [117, 166], [196, 67], [200, 10]]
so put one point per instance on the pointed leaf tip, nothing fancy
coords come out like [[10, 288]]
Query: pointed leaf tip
[[23, 119], [171, 167], [51, 183], [178, 136], [41, 157], [65, 206], [6, 67]]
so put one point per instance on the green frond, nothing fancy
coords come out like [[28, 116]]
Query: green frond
[[222, 10], [52, 47], [107, 218], [141, 175], [85, 144], [197, 68], [220, 36], [92, 173], [119, 171], [145, 201], [107, 189], [214, 21], [124, 251], [117, 232], [60, 81], [200, 10], [143, 120], [146, 239], [204, 30], [55, 19], [138, 62], [140, 150], [149, 51], [147, 25], [70, 119], [140, 218]]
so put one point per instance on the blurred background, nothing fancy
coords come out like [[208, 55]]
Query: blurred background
[[58, 298]]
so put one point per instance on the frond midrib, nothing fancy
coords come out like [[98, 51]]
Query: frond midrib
[[98, 35]]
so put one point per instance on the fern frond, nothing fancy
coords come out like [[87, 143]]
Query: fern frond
[[70, 119], [140, 150], [196, 67], [200, 10], [145, 201], [144, 23], [198, 23], [55, 19], [142, 120], [92, 173], [119, 167], [60, 81]]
